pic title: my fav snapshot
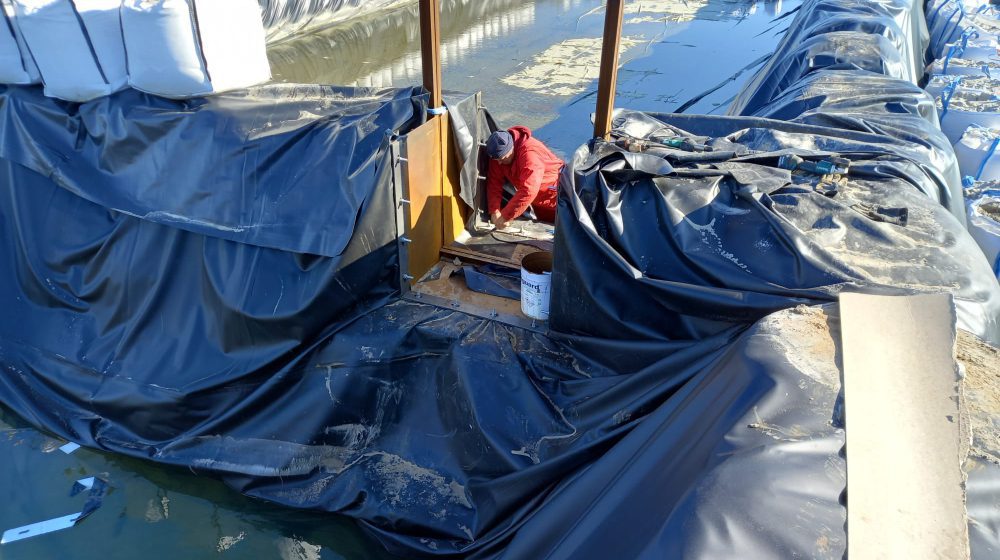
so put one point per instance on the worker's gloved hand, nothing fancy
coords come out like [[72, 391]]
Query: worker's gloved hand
[[498, 221]]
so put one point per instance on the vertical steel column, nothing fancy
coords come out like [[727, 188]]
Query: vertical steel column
[[430, 48], [608, 81]]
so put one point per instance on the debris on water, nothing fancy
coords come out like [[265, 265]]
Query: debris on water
[[566, 68], [225, 543]]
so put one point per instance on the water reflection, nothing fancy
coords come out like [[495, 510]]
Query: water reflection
[[284, 19], [383, 49], [158, 511], [537, 60]]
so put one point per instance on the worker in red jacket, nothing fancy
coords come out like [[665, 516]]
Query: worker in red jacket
[[531, 167]]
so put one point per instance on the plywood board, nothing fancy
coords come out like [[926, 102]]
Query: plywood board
[[480, 257], [423, 175], [905, 494], [453, 209], [454, 289]]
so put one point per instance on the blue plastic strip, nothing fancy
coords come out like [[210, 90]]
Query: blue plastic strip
[[437, 110], [989, 154], [946, 37], [947, 58], [946, 94], [966, 35]]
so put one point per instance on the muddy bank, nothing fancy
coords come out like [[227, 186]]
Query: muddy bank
[[981, 363]]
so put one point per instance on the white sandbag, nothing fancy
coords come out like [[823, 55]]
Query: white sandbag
[[77, 45], [16, 64], [965, 101], [978, 154], [191, 48], [983, 204], [959, 118], [956, 66]]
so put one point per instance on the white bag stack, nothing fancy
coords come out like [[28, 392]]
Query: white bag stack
[[16, 64], [983, 204], [191, 48], [77, 45], [978, 154]]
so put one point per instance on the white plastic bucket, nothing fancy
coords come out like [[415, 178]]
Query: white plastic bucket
[[536, 284]]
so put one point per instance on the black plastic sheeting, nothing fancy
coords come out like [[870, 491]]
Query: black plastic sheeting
[[213, 285], [725, 237], [885, 37], [254, 167], [853, 67]]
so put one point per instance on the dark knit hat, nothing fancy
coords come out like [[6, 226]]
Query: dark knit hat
[[500, 144]]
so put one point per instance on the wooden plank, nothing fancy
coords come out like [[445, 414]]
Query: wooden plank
[[430, 48], [454, 289], [423, 173], [469, 255], [905, 494], [478, 257], [608, 79], [453, 208]]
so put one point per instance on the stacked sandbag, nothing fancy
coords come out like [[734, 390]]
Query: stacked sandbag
[[963, 38], [959, 21], [76, 45], [16, 64], [192, 48], [964, 79], [977, 153], [965, 101], [983, 203]]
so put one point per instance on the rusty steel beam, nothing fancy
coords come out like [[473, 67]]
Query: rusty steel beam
[[608, 80], [430, 48]]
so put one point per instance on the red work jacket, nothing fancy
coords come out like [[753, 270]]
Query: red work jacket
[[534, 169]]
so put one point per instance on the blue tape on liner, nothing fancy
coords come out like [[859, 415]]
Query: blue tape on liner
[[437, 110]]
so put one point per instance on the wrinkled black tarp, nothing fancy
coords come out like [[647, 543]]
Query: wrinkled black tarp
[[711, 244], [283, 166], [885, 37], [688, 413], [854, 66]]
